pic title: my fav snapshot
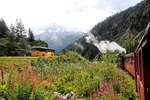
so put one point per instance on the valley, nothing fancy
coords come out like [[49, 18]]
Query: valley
[[58, 53]]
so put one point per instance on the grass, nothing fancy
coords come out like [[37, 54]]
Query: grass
[[17, 61], [66, 73]]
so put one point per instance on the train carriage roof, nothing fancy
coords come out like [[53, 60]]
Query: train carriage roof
[[146, 36]]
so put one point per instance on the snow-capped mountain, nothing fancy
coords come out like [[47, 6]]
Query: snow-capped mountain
[[57, 36]]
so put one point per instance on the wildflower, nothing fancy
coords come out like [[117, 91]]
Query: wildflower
[[97, 90], [19, 77], [121, 89], [113, 95], [2, 73], [53, 77], [115, 91], [96, 97], [39, 75], [34, 80], [100, 78], [50, 82], [105, 92]]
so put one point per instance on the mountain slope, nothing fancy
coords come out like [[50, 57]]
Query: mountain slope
[[59, 37], [126, 28]]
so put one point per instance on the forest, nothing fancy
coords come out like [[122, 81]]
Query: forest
[[125, 28], [16, 40]]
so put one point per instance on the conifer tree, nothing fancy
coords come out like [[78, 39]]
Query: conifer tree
[[3, 29], [31, 35], [20, 29]]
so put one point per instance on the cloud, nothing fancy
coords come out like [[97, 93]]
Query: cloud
[[83, 14], [39, 32]]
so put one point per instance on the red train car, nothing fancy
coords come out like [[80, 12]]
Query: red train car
[[138, 65], [129, 63], [142, 66]]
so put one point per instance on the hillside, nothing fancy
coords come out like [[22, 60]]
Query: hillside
[[58, 37], [125, 28]]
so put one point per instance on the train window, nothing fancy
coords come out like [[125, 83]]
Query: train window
[[137, 65], [138, 88], [126, 59], [129, 60], [140, 66], [132, 60]]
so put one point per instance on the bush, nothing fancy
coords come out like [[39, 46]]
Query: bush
[[53, 61]]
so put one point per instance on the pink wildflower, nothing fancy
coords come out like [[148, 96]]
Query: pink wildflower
[[100, 78]]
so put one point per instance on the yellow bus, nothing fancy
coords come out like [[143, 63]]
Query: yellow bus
[[42, 51]]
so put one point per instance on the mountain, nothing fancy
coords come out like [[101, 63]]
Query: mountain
[[58, 37], [125, 29]]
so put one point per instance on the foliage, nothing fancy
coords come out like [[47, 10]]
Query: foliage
[[14, 40], [124, 28], [20, 30], [134, 41], [31, 36], [84, 78], [51, 61], [3, 28], [110, 57], [19, 62], [91, 80]]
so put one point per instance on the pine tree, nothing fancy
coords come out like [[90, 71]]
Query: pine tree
[[3, 29], [12, 33], [20, 29], [31, 35]]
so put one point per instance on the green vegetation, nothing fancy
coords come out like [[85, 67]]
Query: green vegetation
[[101, 80], [134, 41], [14, 40], [126, 28], [16, 61]]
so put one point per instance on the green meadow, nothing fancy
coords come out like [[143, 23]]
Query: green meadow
[[99, 79], [17, 61]]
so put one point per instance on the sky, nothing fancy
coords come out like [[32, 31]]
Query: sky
[[73, 14]]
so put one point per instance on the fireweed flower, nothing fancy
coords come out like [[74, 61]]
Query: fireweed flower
[[39, 75], [100, 78], [105, 92]]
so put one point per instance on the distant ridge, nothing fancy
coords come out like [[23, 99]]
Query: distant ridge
[[125, 28], [59, 37]]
